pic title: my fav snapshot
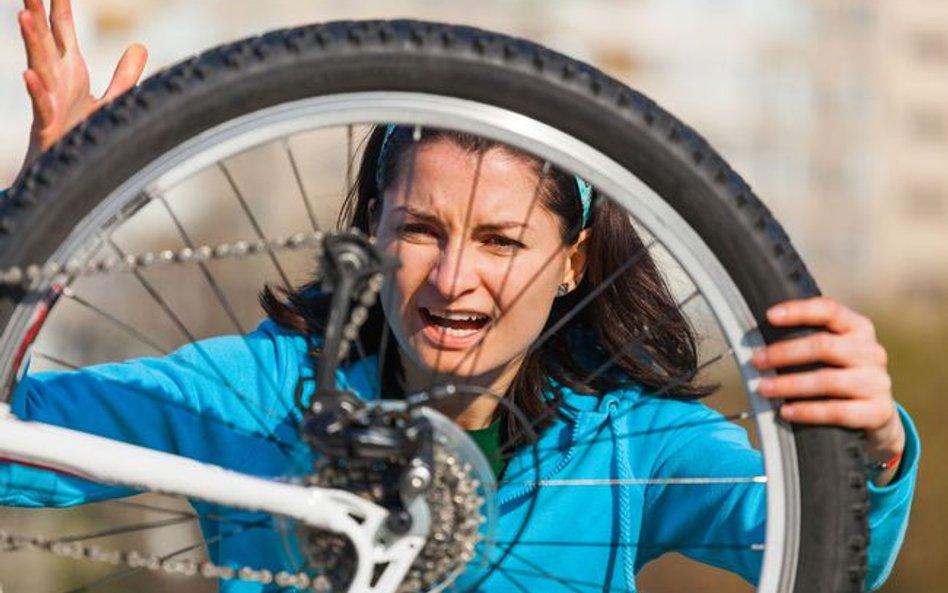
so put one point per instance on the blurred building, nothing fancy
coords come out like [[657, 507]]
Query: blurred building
[[911, 246]]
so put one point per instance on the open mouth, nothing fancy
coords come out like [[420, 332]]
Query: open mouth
[[455, 323]]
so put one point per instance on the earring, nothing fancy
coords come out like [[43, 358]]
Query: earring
[[562, 289]]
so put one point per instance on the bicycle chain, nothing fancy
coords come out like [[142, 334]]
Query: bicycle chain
[[28, 276], [360, 314], [157, 563]]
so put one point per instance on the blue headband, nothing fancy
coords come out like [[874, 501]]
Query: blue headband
[[585, 190]]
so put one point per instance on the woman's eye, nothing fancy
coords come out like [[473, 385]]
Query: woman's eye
[[415, 229], [503, 242]]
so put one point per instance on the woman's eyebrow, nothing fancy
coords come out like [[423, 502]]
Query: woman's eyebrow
[[427, 217], [485, 227], [503, 226]]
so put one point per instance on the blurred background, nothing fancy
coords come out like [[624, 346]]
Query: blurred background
[[835, 111]]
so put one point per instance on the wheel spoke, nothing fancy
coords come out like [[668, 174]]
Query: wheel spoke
[[350, 158], [409, 187], [191, 515], [221, 297], [212, 282], [696, 481], [112, 319], [739, 416], [496, 313], [124, 529], [55, 360], [150, 507], [507, 573], [287, 448], [250, 405], [253, 222], [457, 271], [299, 184], [586, 300], [755, 546], [127, 572], [624, 351], [571, 584], [141, 337], [669, 386]]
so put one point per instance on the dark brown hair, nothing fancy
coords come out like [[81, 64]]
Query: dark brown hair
[[630, 333]]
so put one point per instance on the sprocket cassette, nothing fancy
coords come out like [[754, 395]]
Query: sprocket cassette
[[457, 510]]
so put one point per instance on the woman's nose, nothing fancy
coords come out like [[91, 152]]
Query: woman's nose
[[455, 272]]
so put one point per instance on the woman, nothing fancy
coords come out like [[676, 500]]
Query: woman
[[457, 310]]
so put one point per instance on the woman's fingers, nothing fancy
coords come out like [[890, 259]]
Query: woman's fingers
[[36, 57], [127, 72], [858, 414], [821, 311], [64, 29], [41, 26], [43, 108], [853, 391], [821, 347], [41, 77], [849, 383]]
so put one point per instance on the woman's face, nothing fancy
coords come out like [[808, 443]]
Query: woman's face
[[479, 266]]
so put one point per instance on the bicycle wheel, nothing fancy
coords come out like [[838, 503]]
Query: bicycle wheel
[[139, 175]]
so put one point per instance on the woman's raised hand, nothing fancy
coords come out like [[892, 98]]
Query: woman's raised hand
[[854, 390], [57, 78]]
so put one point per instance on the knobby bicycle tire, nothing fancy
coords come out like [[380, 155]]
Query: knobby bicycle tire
[[57, 192]]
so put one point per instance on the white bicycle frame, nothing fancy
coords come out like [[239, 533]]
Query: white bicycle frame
[[107, 461]]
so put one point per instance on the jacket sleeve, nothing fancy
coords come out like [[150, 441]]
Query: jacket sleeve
[[889, 509], [222, 401], [720, 523]]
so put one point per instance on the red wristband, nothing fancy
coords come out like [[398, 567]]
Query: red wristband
[[881, 466]]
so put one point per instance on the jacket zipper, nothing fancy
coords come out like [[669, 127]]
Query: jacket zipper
[[567, 456]]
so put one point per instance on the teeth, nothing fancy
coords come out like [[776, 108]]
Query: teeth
[[458, 332], [458, 316]]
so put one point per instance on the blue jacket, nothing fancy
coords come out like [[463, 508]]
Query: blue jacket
[[229, 401]]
